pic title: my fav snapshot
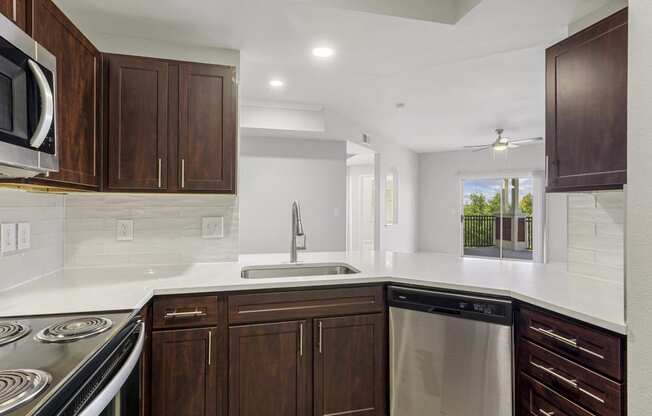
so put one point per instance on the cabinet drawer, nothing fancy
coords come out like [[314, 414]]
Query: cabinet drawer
[[185, 311], [278, 306], [573, 381], [595, 349], [538, 400]]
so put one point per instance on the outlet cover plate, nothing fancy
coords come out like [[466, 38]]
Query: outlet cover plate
[[212, 227], [124, 230], [24, 236], [8, 238]]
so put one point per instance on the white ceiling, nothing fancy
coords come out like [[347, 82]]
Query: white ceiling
[[458, 82]]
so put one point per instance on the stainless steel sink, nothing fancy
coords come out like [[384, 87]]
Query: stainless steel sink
[[297, 269]]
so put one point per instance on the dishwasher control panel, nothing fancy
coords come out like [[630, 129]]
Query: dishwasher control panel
[[469, 307]]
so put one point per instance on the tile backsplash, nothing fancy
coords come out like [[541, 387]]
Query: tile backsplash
[[45, 214], [166, 229], [596, 234]]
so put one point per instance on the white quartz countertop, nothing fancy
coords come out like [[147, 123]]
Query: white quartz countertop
[[80, 290]]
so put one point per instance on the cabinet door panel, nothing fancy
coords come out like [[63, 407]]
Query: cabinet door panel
[[350, 366], [207, 126], [586, 108], [16, 11], [269, 369], [77, 92], [184, 372], [138, 106]]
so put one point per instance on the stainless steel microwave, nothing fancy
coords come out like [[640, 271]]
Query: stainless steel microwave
[[28, 144]]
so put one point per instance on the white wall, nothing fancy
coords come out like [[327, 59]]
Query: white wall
[[638, 235], [45, 214], [401, 237], [273, 173], [611, 7], [440, 191]]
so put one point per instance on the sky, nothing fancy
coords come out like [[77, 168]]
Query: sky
[[489, 187]]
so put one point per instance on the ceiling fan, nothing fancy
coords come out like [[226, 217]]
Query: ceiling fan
[[502, 143]]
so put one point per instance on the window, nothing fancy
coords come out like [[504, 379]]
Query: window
[[497, 218], [391, 198]]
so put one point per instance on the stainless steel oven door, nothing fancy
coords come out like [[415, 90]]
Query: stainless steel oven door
[[121, 395]]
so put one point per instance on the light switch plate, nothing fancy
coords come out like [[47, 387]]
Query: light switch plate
[[8, 239], [24, 236], [212, 227], [125, 230]]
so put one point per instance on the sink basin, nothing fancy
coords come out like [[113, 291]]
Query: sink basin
[[298, 269]]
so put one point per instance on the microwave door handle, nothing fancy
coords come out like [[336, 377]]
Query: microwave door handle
[[47, 105], [99, 403]]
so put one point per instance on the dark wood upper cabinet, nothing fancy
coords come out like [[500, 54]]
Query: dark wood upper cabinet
[[269, 369], [184, 373], [586, 108], [207, 127], [137, 112], [350, 366], [77, 93], [16, 11], [171, 126]]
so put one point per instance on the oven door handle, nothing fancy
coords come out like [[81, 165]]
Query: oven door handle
[[47, 105], [100, 402]]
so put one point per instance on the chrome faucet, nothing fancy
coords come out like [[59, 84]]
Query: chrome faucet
[[298, 239]]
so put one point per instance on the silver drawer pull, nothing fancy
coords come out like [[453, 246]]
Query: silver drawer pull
[[188, 314], [543, 412], [591, 395], [553, 373], [568, 341]]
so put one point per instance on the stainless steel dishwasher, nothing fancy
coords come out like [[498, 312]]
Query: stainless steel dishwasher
[[450, 354]]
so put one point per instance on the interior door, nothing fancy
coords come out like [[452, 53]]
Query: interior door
[[269, 371], [349, 363], [207, 127]]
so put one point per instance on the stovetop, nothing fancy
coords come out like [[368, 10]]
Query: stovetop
[[48, 356]]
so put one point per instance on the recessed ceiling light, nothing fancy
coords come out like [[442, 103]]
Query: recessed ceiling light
[[276, 83], [323, 52]]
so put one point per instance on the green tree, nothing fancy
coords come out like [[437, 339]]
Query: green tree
[[494, 205], [477, 205], [526, 204]]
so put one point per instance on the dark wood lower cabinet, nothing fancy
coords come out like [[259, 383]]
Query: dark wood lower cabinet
[[350, 366], [269, 369], [184, 372]]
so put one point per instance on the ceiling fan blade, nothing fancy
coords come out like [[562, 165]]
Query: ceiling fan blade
[[512, 145], [478, 146], [479, 149], [530, 140]]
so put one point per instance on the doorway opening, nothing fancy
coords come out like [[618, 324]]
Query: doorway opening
[[499, 218], [361, 198]]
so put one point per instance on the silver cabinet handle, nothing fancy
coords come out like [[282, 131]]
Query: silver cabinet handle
[[47, 106], [543, 412], [159, 171], [572, 383], [553, 373], [183, 173], [568, 341], [188, 314], [321, 332], [591, 395], [210, 344], [301, 339]]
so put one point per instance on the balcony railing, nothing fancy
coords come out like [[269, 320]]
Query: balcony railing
[[484, 230]]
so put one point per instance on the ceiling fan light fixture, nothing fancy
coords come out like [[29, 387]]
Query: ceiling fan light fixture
[[500, 146]]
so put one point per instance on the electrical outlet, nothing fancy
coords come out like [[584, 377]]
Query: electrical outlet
[[125, 230], [24, 236], [212, 227], [8, 239]]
